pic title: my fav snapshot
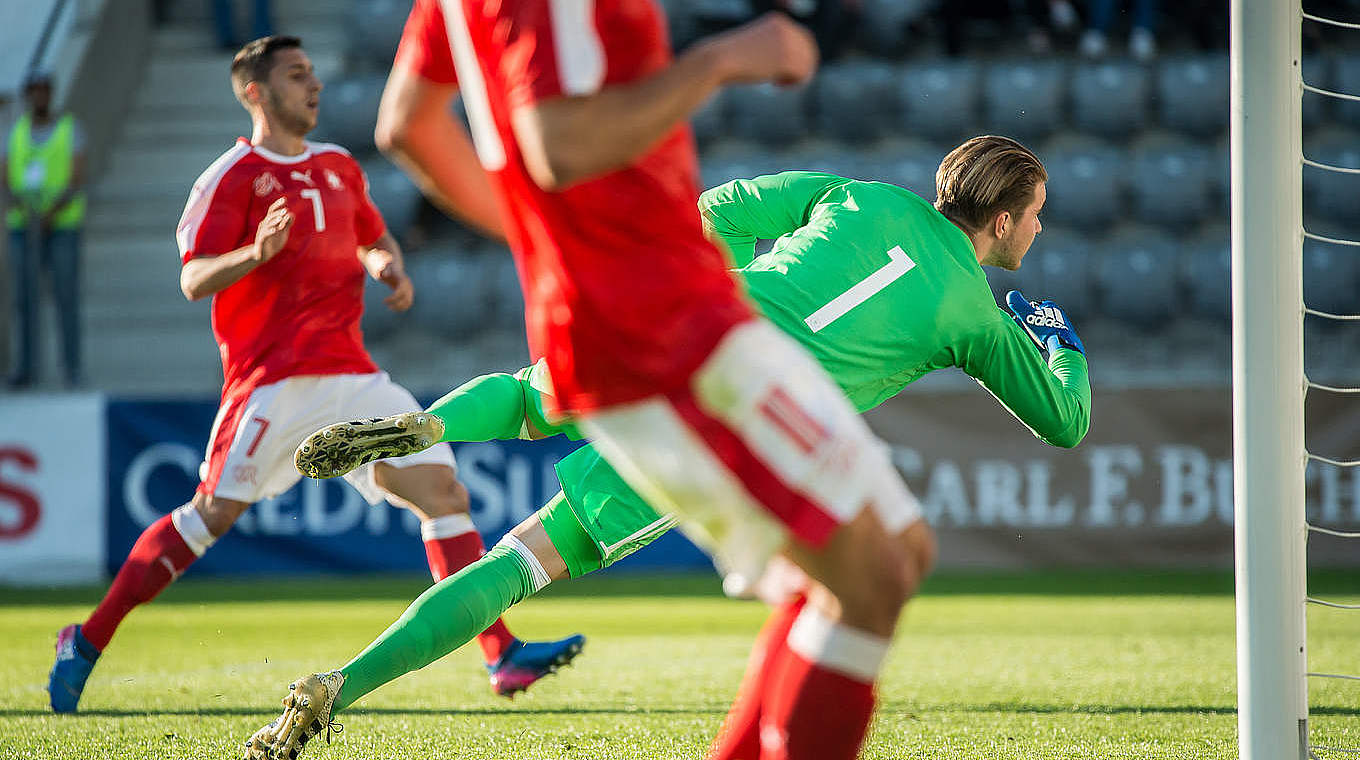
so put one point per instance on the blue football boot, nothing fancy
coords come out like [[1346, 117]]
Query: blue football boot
[[75, 659], [523, 663]]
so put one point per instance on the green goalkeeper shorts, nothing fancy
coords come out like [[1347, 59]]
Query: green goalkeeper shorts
[[614, 518]]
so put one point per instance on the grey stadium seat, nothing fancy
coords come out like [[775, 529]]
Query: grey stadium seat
[[505, 297], [1317, 72], [379, 321], [906, 163], [373, 29], [455, 301], [1085, 182], [1220, 175], [1331, 272], [1345, 79], [854, 100], [1024, 99], [349, 111], [734, 159], [1110, 98], [1192, 94], [773, 115], [824, 156], [1060, 267], [711, 122], [1170, 181], [940, 100], [1206, 271], [1330, 194], [883, 25], [1137, 278], [394, 194]]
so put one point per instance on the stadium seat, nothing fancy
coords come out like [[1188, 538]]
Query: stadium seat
[[394, 194], [349, 112], [734, 159], [773, 115], [1110, 98], [1170, 181], [820, 155], [1345, 78], [1331, 272], [1206, 272], [939, 100], [883, 24], [1317, 72], [455, 300], [373, 29], [379, 322], [1192, 94], [854, 101], [906, 163], [504, 295], [1085, 182], [711, 121], [1137, 278], [1333, 195], [1024, 99], [1220, 175], [1059, 266]]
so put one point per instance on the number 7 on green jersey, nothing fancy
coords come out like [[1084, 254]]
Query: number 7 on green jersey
[[899, 263]]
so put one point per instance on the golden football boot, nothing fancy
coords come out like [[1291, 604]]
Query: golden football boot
[[337, 449]]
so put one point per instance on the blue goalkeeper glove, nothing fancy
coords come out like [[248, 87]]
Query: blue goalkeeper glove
[[1045, 322]]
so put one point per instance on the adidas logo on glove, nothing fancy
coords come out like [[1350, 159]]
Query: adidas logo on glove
[[1046, 317]]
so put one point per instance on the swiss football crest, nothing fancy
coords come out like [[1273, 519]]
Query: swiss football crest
[[333, 180], [266, 183]]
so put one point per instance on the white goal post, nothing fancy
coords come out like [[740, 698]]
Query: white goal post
[[1268, 378]]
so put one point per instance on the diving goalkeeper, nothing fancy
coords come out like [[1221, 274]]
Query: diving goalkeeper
[[879, 285]]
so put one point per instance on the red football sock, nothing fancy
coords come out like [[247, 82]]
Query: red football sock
[[156, 560], [451, 544], [739, 737], [820, 694]]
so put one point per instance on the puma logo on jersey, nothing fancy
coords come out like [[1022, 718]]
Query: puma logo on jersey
[[302, 177]]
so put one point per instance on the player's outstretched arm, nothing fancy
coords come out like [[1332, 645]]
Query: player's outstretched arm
[[1051, 397], [739, 212], [567, 139], [418, 131]]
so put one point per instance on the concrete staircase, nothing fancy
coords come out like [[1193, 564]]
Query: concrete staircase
[[141, 337]]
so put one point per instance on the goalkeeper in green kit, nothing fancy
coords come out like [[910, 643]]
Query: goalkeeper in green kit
[[878, 284]]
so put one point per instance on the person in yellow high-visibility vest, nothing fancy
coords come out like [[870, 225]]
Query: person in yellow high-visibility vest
[[44, 170]]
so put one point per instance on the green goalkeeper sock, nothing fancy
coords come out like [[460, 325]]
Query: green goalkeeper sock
[[448, 615], [486, 408]]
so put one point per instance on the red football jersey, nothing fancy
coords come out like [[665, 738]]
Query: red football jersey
[[624, 296], [298, 313]]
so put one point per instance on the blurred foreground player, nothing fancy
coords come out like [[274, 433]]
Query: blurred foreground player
[[909, 316], [578, 115], [281, 231]]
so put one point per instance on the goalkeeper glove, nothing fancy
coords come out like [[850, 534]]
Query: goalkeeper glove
[[1045, 322]]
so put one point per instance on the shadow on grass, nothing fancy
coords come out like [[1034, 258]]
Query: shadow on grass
[[904, 711], [322, 588]]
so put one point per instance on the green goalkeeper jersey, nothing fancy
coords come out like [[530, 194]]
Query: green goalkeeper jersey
[[881, 288]]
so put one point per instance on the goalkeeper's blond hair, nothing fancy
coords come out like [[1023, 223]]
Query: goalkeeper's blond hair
[[985, 176]]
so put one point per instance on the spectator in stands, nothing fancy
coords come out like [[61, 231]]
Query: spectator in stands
[[44, 171], [1100, 19], [224, 16], [1037, 20]]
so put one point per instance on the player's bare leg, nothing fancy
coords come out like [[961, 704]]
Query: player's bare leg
[[452, 543], [164, 550], [337, 449]]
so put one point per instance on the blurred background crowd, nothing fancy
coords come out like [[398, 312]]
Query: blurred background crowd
[[1126, 101]]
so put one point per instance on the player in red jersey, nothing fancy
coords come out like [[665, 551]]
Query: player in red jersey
[[577, 112], [281, 232]]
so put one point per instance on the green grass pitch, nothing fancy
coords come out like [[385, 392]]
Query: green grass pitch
[[1047, 665]]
